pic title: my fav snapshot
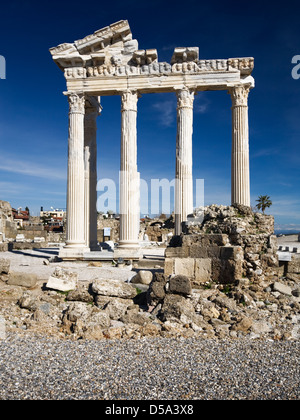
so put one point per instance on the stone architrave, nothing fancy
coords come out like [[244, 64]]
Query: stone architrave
[[129, 176], [75, 236], [184, 158], [240, 171]]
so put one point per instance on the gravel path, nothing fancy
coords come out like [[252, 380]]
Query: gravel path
[[148, 369]]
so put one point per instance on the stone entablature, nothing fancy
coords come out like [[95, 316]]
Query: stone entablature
[[111, 54]]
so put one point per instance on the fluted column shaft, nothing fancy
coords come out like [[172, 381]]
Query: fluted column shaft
[[184, 158], [129, 177], [240, 171], [75, 190], [90, 172]]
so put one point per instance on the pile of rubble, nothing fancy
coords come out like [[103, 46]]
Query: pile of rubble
[[222, 279], [170, 307]]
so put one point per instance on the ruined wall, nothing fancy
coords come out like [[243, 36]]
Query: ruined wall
[[114, 226], [7, 225], [231, 243]]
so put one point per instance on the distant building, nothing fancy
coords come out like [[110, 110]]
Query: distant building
[[53, 219], [20, 216], [53, 214]]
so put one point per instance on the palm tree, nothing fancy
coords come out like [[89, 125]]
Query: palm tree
[[263, 203]]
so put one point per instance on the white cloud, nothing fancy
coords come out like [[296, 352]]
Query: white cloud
[[29, 168], [167, 111]]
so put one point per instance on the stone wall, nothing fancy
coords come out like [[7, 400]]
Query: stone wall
[[7, 225], [113, 224], [231, 243]]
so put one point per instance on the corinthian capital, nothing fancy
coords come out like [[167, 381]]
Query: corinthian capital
[[185, 98], [129, 100], [76, 103], [239, 95]]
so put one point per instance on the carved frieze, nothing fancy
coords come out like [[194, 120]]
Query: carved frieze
[[156, 68]]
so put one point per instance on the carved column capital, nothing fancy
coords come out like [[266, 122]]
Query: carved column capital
[[76, 103], [185, 98], [239, 95], [129, 100]]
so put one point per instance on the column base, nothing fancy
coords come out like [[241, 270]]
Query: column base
[[128, 244], [73, 253], [133, 253]]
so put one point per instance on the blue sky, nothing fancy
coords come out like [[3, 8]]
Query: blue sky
[[34, 113]]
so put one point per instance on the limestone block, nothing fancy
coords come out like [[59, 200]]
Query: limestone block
[[22, 279], [63, 280], [20, 238], [231, 253], [199, 251], [282, 288], [177, 252], [203, 270], [169, 266], [114, 288], [184, 266], [205, 239]]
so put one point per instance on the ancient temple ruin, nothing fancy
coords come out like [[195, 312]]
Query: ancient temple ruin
[[109, 62]]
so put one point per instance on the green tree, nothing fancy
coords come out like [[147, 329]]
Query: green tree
[[263, 203]]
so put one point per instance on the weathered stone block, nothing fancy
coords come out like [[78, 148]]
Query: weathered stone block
[[203, 270], [184, 266], [169, 266], [205, 239], [199, 251], [22, 279], [231, 252], [62, 280], [177, 252], [180, 285], [282, 288], [113, 288]]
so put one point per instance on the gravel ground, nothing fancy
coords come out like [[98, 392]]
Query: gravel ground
[[36, 368]]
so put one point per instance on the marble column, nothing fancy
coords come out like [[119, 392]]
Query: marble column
[[75, 239], [240, 172], [184, 158], [129, 176], [92, 110]]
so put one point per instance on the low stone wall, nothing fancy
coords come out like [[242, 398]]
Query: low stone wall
[[205, 258], [231, 243]]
